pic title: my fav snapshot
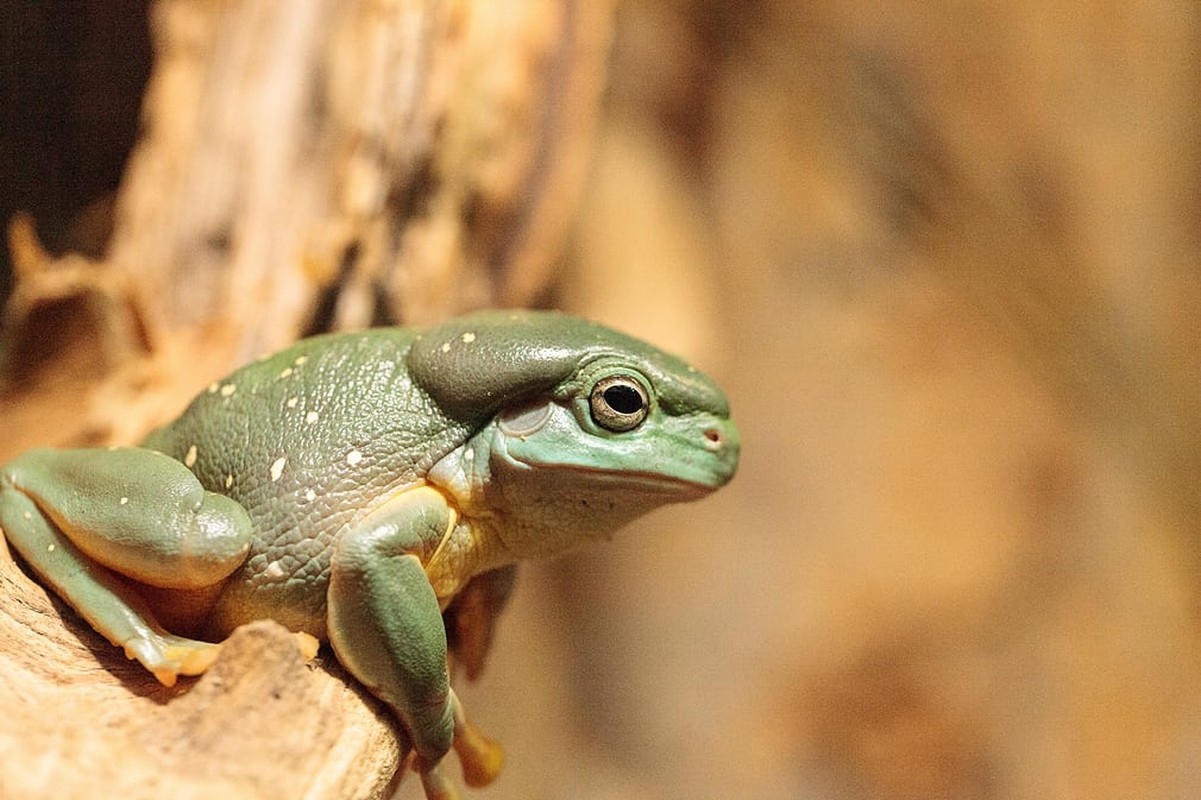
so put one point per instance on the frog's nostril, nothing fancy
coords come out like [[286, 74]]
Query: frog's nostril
[[713, 439]]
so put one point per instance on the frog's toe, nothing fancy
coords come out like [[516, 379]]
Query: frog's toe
[[167, 656], [480, 756], [194, 657], [307, 644]]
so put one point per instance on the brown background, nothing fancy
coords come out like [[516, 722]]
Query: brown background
[[944, 257]]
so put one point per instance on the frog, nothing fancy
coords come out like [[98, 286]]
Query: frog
[[372, 491]]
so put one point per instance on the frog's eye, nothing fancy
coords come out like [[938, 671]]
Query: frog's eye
[[619, 403]]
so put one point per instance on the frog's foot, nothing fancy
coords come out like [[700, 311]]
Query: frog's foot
[[168, 656], [481, 757], [307, 644]]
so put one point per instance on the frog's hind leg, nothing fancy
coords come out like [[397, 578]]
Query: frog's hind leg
[[100, 596], [83, 519]]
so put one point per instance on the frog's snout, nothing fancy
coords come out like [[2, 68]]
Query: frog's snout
[[714, 439], [722, 440]]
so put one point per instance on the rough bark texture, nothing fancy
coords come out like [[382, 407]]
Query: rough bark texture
[[302, 166]]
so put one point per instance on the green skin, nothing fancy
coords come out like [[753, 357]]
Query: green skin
[[353, 485]]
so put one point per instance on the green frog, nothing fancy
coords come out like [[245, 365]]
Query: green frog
[[354, 485]]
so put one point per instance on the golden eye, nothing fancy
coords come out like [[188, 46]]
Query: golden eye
[[619, 403]]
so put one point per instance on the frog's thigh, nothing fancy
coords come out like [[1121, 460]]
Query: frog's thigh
[[97, 594], [63, 512], [137, 512], [384, 620]]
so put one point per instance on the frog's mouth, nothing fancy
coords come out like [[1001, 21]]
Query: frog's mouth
[[663, 488], [646, 482]]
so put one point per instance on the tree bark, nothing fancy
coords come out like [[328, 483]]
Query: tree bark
[[83, 721], [303, 166]]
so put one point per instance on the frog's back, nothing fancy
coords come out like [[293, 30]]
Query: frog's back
[[307, 441]]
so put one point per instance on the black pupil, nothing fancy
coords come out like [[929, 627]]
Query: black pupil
[[623, 399]]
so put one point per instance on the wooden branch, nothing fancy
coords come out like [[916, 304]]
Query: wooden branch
[[303, 166], [308, 166], [83, 721]]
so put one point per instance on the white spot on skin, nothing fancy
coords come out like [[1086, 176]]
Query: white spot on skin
[[446, 347], [277, 468], [468, 338], [287, 373], [124, 501], [310, 495], [50, 548], [311, 417], [213, 387], [27, 515], [189, 460], [353, 457], [274, 570], [292, 401], [300, 360], [229, 481], [228, 389]]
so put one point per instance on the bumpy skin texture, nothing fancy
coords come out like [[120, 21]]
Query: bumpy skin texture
[[517, 355], [349, 429], [354, 485]]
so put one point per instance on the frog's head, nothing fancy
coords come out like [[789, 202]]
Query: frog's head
[[580, 428]]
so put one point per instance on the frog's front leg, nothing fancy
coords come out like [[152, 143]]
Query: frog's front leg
[[385, 625], [83, 518]]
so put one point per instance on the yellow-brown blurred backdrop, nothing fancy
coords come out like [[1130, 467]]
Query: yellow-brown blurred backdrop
[[945, 258]]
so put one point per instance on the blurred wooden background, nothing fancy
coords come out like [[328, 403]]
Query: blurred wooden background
[[945, 258]]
